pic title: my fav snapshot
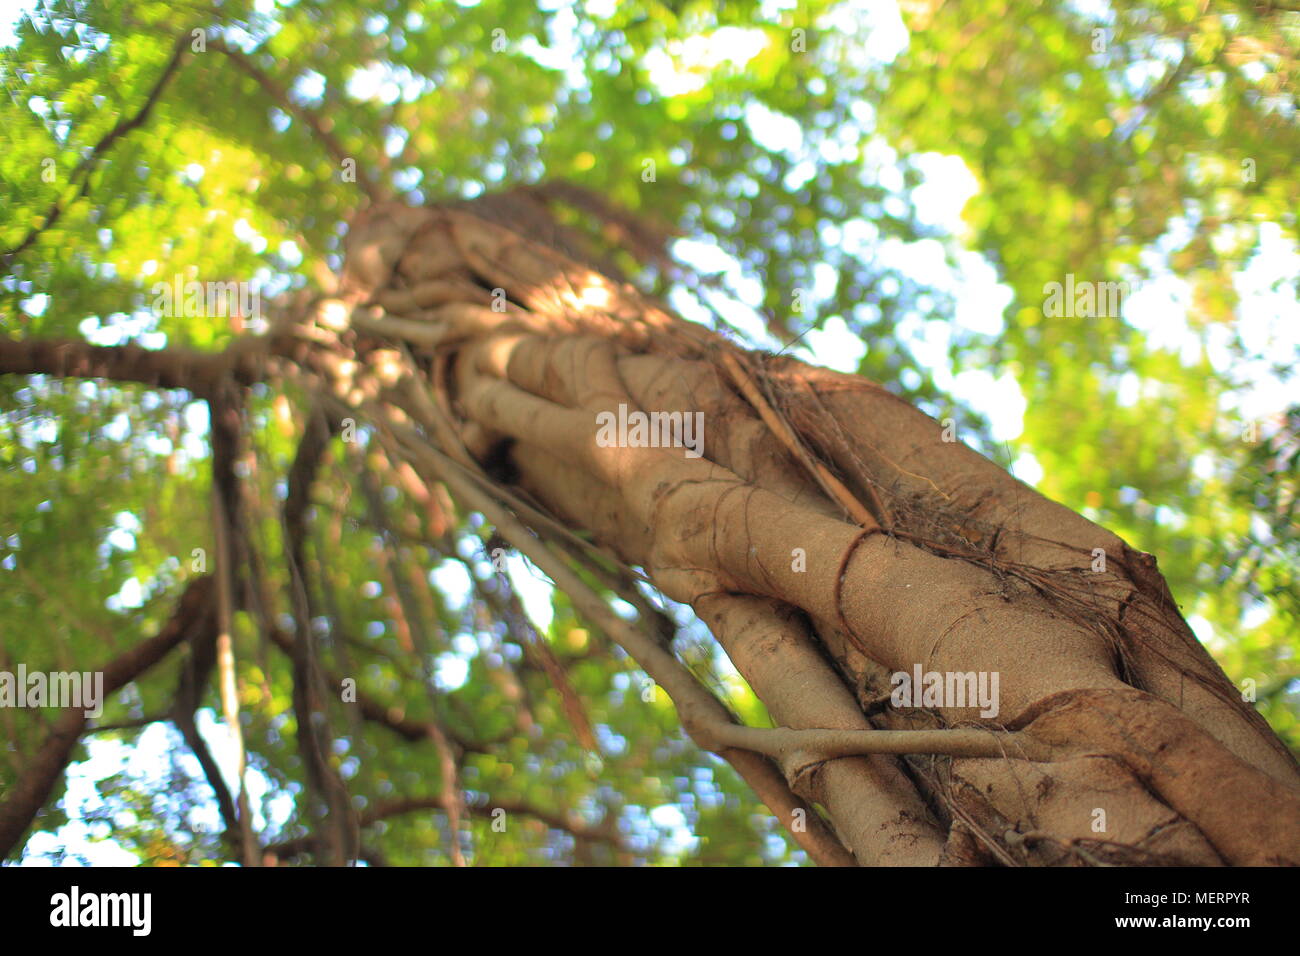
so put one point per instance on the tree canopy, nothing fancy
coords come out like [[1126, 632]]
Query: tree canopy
[[892, 191]]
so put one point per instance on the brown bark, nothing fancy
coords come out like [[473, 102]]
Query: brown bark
[[918, 552], [828, 536], [194, 618]]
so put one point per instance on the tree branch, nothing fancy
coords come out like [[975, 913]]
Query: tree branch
[[117, 132], [224, 414], [194, 610], [782, 742], [556, 820], [320, 127], [338, 824], [75, 358]]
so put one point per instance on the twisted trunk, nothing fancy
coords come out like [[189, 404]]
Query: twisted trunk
[[823, 529], [830, 538]]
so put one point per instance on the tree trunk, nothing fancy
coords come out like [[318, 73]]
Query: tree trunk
[[830, 538], [826, 532]]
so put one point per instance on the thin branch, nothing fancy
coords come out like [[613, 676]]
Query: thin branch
[[781, 742], [235, 829], [84, 167], [195, 672], [194, 610], [338, 823], [226, 427], [699, 710], [569, 823], [320, 127], [135, 724], [832, 486], [392, 718]]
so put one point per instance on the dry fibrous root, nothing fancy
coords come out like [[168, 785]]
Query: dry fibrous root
[[830, 539]]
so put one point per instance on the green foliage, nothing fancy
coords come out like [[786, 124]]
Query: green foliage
[[783, 136], [1140, 142]]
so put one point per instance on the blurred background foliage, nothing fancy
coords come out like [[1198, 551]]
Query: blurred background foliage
[[888, 189]]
